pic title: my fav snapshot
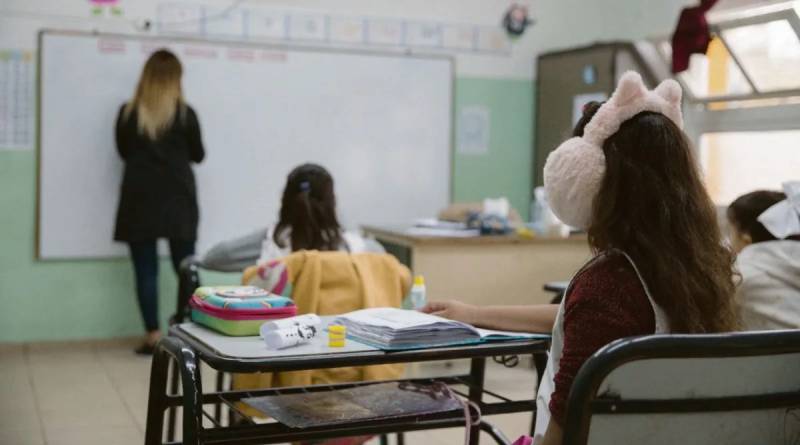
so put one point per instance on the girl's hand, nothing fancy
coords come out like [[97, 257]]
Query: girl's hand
[[454, 310]]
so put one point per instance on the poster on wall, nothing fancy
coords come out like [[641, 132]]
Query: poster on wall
[[16, 100], [347, 30], [264, 23], [473, 130], [220, 22], [309, 27]]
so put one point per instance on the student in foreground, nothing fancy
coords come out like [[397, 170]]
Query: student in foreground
[[630, 179], [766, 236]]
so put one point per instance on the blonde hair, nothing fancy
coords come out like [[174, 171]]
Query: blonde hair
[[158, 95]]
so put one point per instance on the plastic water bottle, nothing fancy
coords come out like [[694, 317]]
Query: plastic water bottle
[[538, 210], [417, 295]]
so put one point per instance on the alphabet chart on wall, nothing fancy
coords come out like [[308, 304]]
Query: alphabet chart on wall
[[16, 100]]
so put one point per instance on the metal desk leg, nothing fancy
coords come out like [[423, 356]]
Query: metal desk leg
[[477, 375], [220, 388], [187, 365], [173, 390], [157, 399], [495, 433]]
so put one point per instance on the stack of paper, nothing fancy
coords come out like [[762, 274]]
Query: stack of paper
[[390, 328], [439, 228]]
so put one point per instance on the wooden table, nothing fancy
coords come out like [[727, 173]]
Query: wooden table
[[505, 269]]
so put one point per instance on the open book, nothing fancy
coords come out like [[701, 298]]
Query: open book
[[396, 329]]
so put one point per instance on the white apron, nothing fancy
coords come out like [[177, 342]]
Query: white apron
[[557, 345]]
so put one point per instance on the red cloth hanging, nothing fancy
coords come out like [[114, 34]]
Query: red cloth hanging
[[691, 36]]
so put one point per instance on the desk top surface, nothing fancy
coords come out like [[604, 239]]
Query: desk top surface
[[253, 347], [248, 354], [404, 235]]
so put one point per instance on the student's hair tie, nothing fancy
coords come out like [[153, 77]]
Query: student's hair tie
[[782, 220], [574, 171], [305, 186]]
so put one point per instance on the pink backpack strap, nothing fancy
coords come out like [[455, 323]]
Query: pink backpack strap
[[524, 440]]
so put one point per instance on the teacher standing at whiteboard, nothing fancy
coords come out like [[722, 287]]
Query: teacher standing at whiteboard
[[158, 137]]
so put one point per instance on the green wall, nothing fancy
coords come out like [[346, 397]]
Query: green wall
[[506, 169], [61, 300]]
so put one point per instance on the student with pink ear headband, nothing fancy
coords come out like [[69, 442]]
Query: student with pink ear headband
[[574, 171], [629, 178]]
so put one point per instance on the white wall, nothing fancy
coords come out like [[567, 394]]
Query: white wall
[[559, 23]]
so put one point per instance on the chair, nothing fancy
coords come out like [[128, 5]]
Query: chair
[[558, 288], [740, 388]]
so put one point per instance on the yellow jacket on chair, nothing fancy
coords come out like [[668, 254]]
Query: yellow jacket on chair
[[329, 283]]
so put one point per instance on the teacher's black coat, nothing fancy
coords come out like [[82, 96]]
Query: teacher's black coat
[[158, 197]]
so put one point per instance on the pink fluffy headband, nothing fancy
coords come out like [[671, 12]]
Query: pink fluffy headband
[[574, 171]]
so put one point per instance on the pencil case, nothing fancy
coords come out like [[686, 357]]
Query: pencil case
[[237, 315]]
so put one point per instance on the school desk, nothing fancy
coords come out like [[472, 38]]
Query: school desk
[[503, 269], [187, 345]]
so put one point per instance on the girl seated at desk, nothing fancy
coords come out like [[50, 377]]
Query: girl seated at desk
[[766, 235], [307, 221], [630, 179]]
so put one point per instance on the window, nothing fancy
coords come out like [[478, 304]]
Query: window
[[739, 162], [754, 54], [711, 74], [769, 53]]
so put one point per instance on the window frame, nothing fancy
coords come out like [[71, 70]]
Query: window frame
[[787, 13]]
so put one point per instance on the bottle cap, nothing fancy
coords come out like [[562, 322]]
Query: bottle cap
[[337, 329], [419, 280]]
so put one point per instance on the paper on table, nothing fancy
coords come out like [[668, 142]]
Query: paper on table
[[392, 328], [435, 223], [446, 233], [491, 333], [398, 318]]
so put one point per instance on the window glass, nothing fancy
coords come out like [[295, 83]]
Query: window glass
[[698, 79], [769, 53], [741, 162]]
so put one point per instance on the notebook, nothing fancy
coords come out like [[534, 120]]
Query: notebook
[[399, 329]]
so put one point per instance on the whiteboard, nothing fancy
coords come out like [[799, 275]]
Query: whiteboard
[[380, 123]]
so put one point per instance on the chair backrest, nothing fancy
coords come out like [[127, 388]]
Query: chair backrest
[[741, 388], [188, 281]]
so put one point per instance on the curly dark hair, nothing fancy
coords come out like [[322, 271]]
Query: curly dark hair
[[652, 204]]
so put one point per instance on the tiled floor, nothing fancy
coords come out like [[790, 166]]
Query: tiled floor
[[96, 393]]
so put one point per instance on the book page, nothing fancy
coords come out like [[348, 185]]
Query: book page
[[491, 333], [398, 319]]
